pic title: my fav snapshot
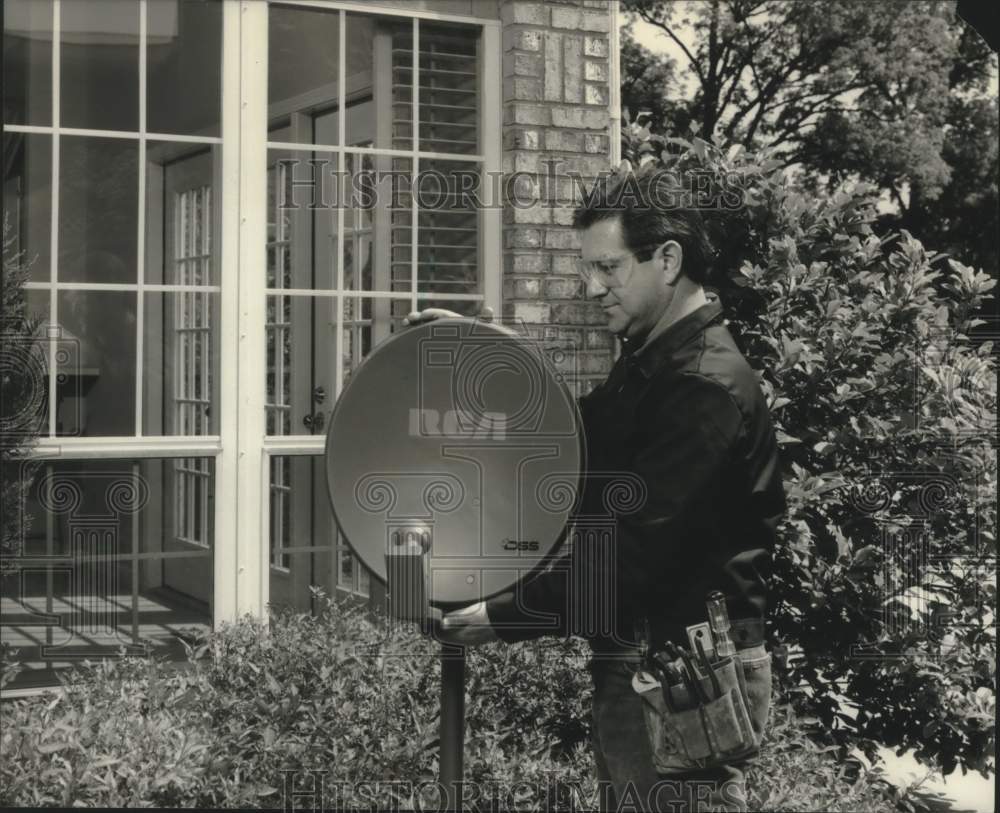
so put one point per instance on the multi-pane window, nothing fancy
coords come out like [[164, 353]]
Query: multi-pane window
[[278, 366], [352, 576], [112, 147], [358, 236], [104, 142], [375, 128], [280, 504], [192, 353], [98, 571], [194, 357]]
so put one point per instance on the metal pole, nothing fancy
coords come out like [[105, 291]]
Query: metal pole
[[452, 734]]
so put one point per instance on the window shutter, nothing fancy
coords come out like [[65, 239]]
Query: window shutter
[[447, 225]]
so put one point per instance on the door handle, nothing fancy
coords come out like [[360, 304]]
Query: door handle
[[315, 421]]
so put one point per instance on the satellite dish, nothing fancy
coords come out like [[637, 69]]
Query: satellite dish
[[453, 463], [456, 438]]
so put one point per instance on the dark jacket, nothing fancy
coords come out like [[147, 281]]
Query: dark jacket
[[682, 495]]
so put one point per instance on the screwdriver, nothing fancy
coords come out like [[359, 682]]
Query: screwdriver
[[718, 620]]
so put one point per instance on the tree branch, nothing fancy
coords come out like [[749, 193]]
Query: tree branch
[[798, 123], [762, 98], [669, 32], [732, 89], [752, 50], [774, 87]]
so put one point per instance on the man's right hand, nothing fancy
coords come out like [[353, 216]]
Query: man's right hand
[[430, 314]]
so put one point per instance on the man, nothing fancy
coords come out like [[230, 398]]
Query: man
[[682, 420]]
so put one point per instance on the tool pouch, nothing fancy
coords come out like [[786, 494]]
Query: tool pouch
[[691, 735]]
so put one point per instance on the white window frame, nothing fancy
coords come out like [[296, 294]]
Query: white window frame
[[254, 455], [241, 450]]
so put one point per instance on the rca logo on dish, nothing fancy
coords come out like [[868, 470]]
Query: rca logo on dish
[[454, 423]]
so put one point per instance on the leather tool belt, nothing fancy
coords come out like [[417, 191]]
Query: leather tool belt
[[699, 711]]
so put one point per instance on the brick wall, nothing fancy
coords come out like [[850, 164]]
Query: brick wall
[[555, 98]]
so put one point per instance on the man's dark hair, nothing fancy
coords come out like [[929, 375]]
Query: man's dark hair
[[654, 207]]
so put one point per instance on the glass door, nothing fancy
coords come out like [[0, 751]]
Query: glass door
[[362, 108]]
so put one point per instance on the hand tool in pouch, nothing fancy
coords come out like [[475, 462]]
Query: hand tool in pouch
[[718, 619], [707, 666]]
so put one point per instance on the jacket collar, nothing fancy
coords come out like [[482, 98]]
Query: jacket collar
[[651, 357]]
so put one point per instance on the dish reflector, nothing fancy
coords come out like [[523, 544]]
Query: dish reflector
[[457, 437]]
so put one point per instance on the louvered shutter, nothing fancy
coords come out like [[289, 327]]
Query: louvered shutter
[[448, 254]]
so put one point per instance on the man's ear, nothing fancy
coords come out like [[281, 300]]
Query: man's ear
[[671, 255]]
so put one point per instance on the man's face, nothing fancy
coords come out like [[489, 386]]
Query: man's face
[[637, 294]]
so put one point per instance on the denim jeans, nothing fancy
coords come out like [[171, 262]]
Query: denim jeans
[[624, 758]]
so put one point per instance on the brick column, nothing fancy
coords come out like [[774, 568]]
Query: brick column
[[555, 97]]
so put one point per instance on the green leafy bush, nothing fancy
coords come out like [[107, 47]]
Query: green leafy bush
[[886, 417], [259, 709], [342, 693]]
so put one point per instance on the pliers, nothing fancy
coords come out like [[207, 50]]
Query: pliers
[[688, 673], [664, 674]]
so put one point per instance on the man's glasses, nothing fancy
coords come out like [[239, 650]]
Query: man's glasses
[[610, 272]]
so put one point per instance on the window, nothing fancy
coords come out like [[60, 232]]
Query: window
[[194, 335], [101, 567], [375, 126], [111, 184], [192, 352]]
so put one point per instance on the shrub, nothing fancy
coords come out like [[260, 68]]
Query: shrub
[[885, 414], [120, 736], [257, 710]]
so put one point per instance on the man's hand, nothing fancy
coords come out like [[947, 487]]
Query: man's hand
[[430, 314], [469, 626]]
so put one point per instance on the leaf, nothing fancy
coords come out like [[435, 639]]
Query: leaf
[[865, 555], [52, 747]]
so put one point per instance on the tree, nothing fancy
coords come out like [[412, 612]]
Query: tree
[[943, 183], [649, 85], [894, 94]]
